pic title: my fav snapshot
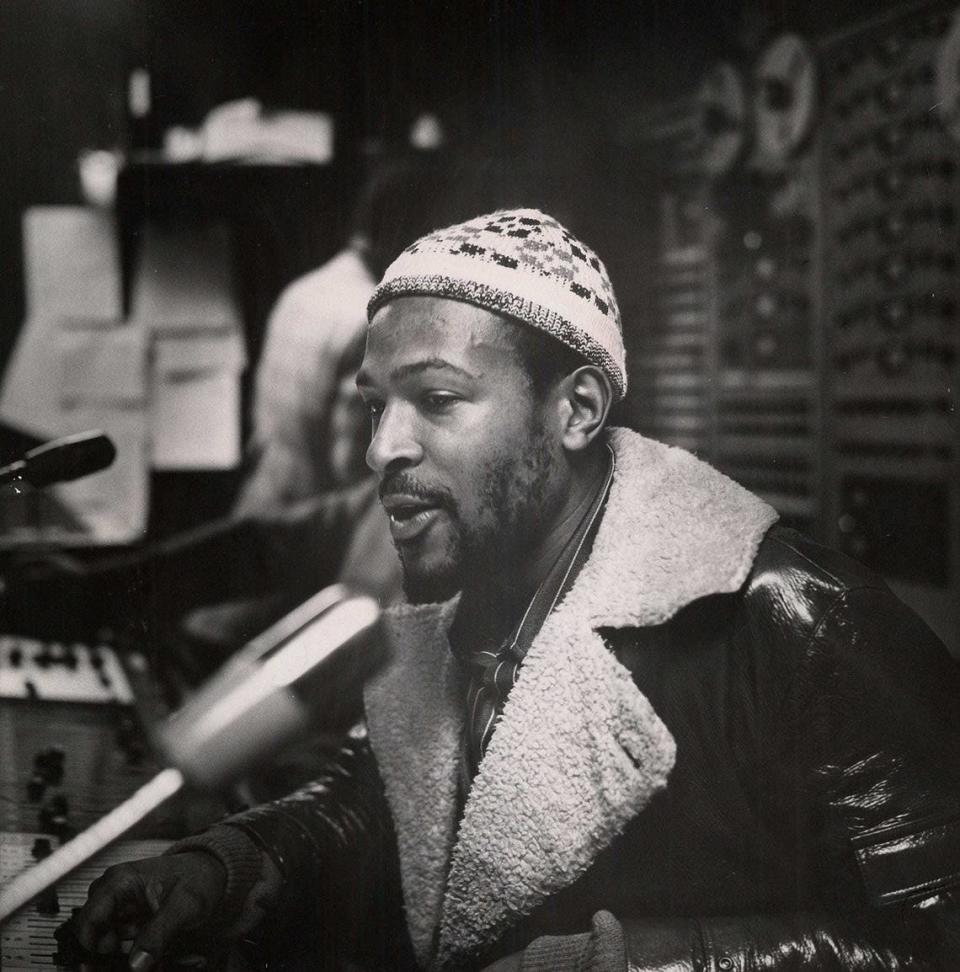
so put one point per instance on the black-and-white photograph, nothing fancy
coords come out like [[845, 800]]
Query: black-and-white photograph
[[479, 486]]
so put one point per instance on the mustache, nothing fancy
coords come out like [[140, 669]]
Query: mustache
[[407, 484]]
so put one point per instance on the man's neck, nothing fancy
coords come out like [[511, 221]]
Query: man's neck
[[490, 609]]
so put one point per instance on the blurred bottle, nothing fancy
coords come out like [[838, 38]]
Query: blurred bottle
[[139, 109]]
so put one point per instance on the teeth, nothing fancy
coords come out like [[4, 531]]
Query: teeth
[[407, 513]]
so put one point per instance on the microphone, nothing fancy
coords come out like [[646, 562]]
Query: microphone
[[62, 460], [308, 668]]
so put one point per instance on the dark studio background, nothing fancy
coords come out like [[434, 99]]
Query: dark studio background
[[546, 83], [560, 101]]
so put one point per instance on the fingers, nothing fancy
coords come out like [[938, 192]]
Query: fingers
[[179, 911], [153, 902], [116, 897]]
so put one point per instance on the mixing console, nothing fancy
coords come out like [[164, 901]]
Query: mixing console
[[72, 743], [31, 669], [26, 939], [63, 766], [71, 746]]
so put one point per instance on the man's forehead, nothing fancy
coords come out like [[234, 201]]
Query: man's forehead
[[441, 312], [435, 326]]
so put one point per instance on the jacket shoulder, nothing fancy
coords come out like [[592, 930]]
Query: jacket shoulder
[[825, 609], [788, 562]]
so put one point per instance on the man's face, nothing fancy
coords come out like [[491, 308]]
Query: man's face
[[469, 467]]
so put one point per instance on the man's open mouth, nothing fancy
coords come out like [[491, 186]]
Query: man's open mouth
[[409, 516]]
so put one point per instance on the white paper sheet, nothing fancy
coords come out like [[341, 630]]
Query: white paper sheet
[[104, 366], [195, 413], [68, 376], [71, 263], [30, 396]]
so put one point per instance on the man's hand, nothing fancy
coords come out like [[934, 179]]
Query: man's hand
[[154, 902]]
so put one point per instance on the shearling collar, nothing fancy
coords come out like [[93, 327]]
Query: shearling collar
[[579, 751], [675, 530]]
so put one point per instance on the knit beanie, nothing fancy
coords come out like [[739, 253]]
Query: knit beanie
[[524, 264]]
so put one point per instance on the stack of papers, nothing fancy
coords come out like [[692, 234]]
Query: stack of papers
[[183, 296], [165, 384], [71, 263], [67, 376]]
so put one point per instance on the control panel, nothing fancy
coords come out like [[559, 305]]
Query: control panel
[[685, 142], [73, 745], [891, 282], [767, 354], [27, 939], [672, 357], [61, 672], [767, 350]]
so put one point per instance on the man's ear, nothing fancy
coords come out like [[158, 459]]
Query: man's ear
[[584, 398]]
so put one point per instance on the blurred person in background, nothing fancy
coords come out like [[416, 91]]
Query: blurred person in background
[[308, 420], [314, 321]]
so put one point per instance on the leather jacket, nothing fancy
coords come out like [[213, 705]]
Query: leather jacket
[[811, 820]]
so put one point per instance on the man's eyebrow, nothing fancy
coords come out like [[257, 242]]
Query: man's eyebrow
[[416, 367], [430, 364]]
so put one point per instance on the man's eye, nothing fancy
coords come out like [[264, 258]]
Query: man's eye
[[374, 409], [439, 401]]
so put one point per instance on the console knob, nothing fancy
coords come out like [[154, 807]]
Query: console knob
[[36, 786], [48, 903], [41, 848]]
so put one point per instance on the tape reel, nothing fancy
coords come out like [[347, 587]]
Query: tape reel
[[722, 104], [785, 100]]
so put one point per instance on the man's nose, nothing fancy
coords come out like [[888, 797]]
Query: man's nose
[[394, 441]]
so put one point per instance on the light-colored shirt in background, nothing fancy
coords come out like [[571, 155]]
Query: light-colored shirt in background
[[312, 323]]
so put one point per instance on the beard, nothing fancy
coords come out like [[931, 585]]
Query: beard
[[488, 552], [427, 586]]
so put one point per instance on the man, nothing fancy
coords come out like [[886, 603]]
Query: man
[[654, 731]]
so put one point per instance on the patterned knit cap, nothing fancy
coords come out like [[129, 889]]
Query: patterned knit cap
[[524, 264]]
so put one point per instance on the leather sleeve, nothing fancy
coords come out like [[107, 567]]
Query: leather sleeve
[[926, 940], [876, 712], [334, 845], [872, 720], [873, 716], [795, 942]]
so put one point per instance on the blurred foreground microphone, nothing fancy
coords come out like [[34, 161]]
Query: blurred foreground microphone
[[306, 670], [62, 460]]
